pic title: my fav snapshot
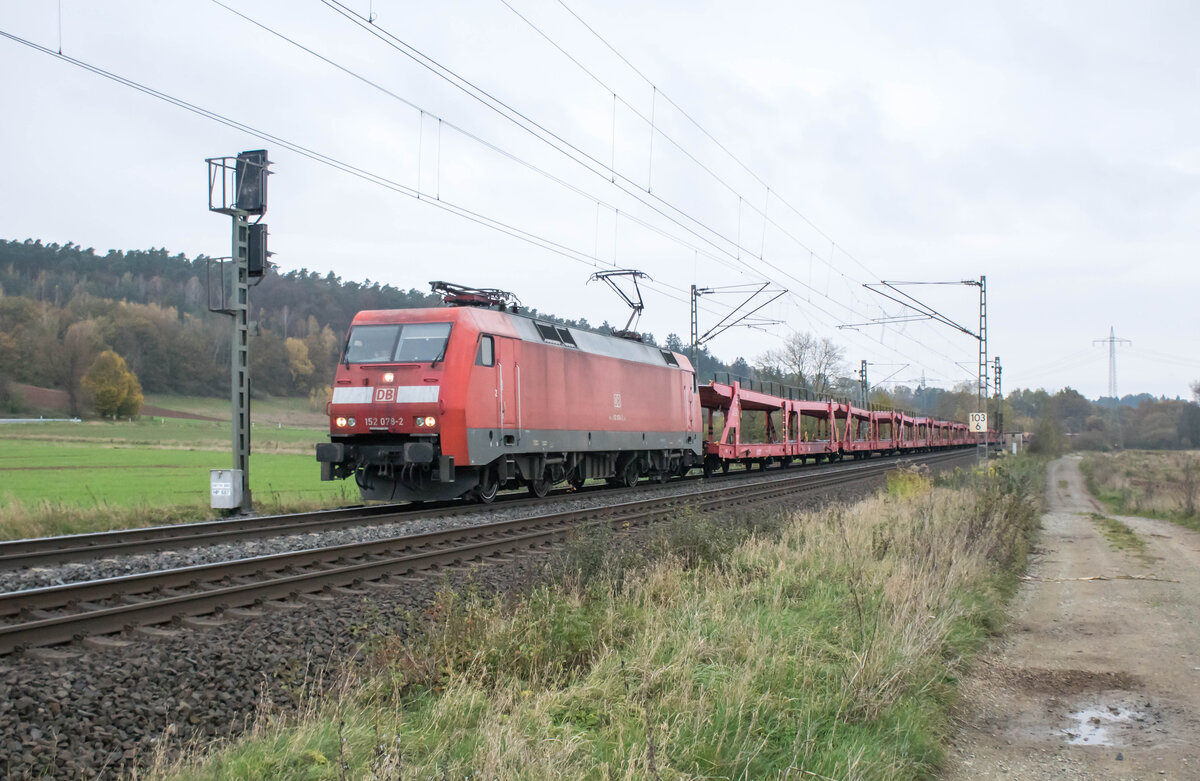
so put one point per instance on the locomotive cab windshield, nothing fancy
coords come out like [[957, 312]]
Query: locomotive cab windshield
[[397, 343]]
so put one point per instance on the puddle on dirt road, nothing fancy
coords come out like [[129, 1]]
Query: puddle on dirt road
[[1101, 726]]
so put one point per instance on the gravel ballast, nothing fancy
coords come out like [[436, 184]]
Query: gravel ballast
[[116, 566]]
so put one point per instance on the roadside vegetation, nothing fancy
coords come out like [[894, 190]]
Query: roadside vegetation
[[1154, 484], [799, 644]]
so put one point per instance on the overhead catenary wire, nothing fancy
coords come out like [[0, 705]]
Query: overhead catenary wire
[[549, 137], [368, 176], [454, 78], [314, 155], [423, 111], [510, 229], [684, 113], [656, 92], [537, 129]]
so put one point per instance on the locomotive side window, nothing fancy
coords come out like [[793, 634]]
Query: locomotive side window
[[422, 342], [371, 343], [548, 332], [487, 352]]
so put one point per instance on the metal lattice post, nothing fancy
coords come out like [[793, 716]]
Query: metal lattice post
[[237, 187], [695, 331], [981, 450], [999, 400], [862, 380], [240, 355]]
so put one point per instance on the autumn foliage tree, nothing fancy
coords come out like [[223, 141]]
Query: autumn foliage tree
[[115, 390]]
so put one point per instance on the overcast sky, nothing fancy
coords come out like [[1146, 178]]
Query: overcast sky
[[1053, 147]]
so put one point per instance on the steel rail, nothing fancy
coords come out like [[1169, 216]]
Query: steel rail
[[81, 547], [152, 598]]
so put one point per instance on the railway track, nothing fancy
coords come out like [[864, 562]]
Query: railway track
[[79, 611], [82, 547]]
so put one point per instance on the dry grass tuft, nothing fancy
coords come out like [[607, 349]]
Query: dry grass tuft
[[1157, 484]]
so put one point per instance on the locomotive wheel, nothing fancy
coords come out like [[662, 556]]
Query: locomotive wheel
[[576, 481], [629, 477], [488, 487], [539, 487]]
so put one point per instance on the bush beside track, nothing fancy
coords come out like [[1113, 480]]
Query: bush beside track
[[746, 645]]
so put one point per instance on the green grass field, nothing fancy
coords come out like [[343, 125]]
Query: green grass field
[[104, 475], [155, 432], [297, 413], [60, 478]]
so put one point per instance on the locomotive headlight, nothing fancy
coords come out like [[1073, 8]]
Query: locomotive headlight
[[388, 377], [340, 422], [425, 422], [351, 422]]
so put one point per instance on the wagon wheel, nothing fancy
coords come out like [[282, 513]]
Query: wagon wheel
[[725, 467], [631, 473], [488, 486]]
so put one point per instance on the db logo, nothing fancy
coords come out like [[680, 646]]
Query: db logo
[[385, 394]]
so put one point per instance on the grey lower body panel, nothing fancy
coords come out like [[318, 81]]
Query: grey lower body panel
[[486, 445]]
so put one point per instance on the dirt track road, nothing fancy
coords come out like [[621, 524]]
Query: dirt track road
[[1096, 679]]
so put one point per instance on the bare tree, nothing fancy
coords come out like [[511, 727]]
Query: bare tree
[[79, 347], [1196, 391], [805, 360]]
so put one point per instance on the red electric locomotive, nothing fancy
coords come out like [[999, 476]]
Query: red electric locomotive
[[460, 401]]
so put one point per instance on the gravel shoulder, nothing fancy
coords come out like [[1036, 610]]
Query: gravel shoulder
[[1098, 676]]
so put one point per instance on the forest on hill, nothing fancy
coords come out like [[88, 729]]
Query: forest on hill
[[62, 306]]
